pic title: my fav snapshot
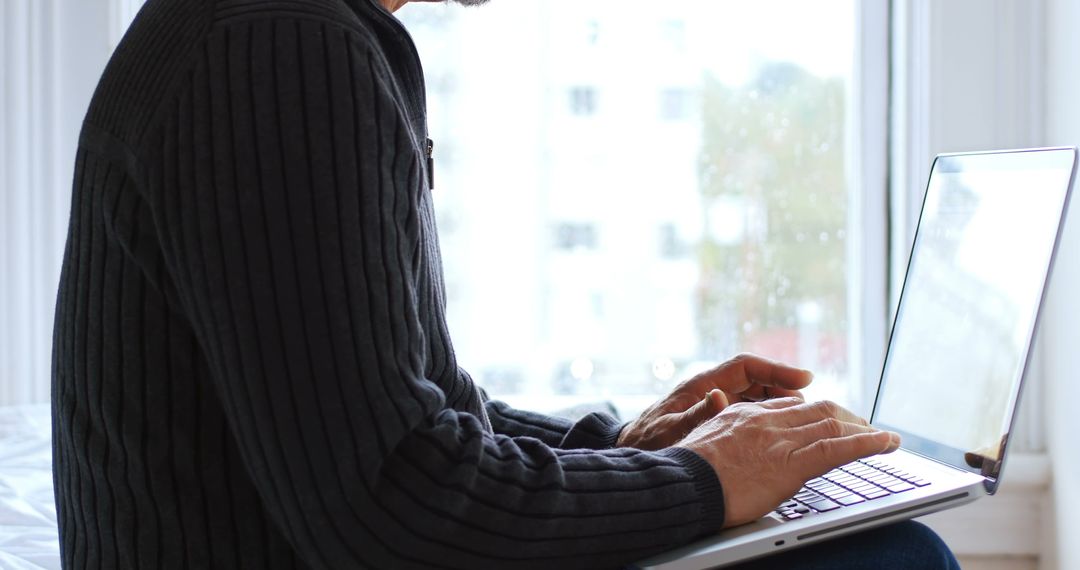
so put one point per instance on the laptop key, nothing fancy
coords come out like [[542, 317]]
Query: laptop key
[[851, 484], [823, 506], [850, 500]]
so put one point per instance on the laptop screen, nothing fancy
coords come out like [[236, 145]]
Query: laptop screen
[[969, 305]]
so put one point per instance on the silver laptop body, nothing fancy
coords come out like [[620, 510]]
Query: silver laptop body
[[956, 361]]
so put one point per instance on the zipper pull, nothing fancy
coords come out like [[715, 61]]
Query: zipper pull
[[431, 164]]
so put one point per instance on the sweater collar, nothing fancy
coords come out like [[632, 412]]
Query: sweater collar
[[401, 55]]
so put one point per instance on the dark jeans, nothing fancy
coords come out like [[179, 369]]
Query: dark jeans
[[902, 546]]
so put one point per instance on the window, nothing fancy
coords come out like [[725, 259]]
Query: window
[[673, 34], [592, 32], [732, 233], [674, 104], [582, 101], [672, 244], [575, 236]]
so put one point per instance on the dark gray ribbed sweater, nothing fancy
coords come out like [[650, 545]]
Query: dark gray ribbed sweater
[[252, 366]]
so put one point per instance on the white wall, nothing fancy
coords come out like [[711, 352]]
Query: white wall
[[51, 54], [1060, 330], [968, 75]]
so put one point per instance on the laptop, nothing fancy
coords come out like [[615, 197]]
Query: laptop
[[956, 360]]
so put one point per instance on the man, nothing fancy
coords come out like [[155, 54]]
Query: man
[[252, 365]]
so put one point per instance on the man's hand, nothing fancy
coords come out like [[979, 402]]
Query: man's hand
[[764, 452], [745, 378]]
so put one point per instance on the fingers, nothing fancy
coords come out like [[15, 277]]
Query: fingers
[[759, 393], [708, 407], [807, 413], [760, 370], [825, 454], [783, 393], [749, 373], [780, 403], [718, 399], [805, 435], [699, 413]]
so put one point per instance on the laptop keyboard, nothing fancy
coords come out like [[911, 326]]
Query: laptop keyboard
[[851, 484]]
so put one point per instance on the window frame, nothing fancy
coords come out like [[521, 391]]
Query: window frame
[[868, 172]]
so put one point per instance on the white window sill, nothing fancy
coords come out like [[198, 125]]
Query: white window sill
[[1009, 523]]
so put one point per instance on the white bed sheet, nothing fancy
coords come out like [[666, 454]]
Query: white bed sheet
[[28, 535]]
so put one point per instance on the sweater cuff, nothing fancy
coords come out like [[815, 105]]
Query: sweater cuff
[[594, 431], [707, 485]]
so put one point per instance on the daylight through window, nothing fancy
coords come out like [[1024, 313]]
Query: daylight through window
[[703, 210]]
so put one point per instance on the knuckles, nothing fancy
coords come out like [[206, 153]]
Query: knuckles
[[833, 427], [742, 358], [788, 401], [821, 452], [826, 408]]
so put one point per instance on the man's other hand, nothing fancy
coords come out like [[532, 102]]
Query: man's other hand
[[764, 452], [745, 378]]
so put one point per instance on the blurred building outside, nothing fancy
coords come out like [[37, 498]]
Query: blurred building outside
[[622, 204]]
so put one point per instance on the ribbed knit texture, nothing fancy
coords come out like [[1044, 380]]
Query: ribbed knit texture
[[252, 365]]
